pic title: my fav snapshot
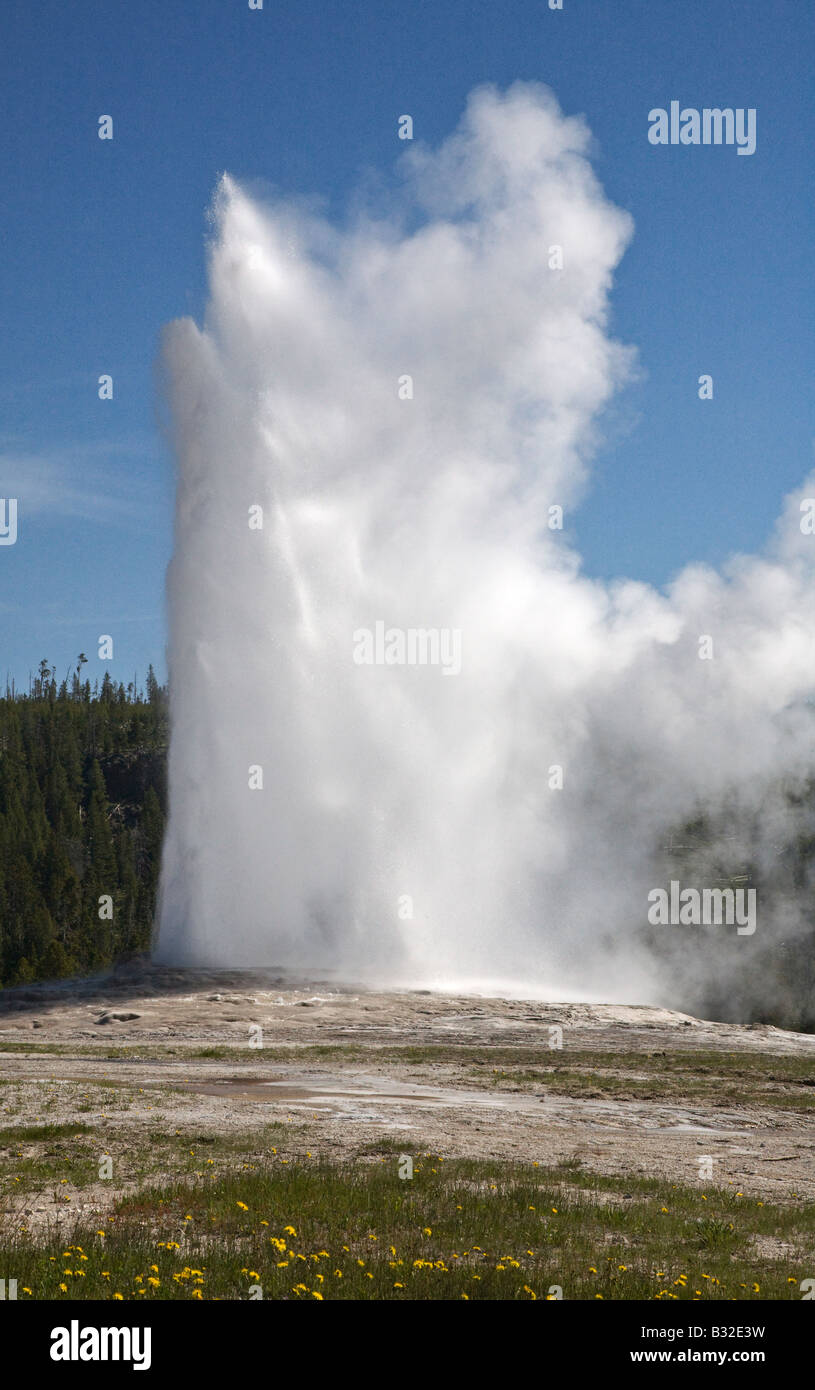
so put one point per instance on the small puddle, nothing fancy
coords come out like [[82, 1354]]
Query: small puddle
[[355, 1097], [336, 1094]]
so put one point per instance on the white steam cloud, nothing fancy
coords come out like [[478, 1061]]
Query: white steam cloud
[[392, 789]]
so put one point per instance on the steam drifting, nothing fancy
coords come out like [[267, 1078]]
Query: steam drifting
[[411, 824]]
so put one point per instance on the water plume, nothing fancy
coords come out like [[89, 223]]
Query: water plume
[[405, 401]]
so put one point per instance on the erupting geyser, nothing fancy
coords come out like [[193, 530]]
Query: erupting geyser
[[469, 753]]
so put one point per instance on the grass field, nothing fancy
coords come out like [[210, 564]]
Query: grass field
[[725, 1078], [290, 1228]]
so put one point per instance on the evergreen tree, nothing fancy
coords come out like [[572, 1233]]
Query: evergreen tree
[[82, 812]]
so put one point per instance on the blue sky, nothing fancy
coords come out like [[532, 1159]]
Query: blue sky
[[103, 243]]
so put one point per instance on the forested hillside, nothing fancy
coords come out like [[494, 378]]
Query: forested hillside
[[82, 810]]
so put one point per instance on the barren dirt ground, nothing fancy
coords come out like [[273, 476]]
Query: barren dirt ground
[[631, 1090]]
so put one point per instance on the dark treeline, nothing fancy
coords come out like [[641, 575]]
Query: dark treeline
[[767, 977], [82, 812]]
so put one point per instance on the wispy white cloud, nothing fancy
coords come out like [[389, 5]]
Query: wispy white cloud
[[102, 480]]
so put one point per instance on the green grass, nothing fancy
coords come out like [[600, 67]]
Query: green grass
[[64, 1159], [105, 1051], [458, 1228], [726, 1079], [15, 1134]]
